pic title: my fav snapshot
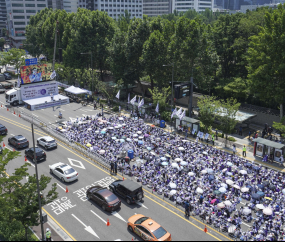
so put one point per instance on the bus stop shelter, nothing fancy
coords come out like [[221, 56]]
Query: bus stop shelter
[[188, 122], [266, 147]]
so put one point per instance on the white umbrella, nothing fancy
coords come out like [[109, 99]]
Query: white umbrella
[[172, 192], [260, 206], [224, 170], [114, 137], [158, 139], [204, 171], [121, 118], [236, 186], [120, 126], [224, 185], [116, 127], [246, 211], [244, 189], [221, 205], [183, 163], [229, 164], [172, 185], [163, 158], [110, 128], [140, 137], [135, 135], [178, 160], [191, 173], [102, 151], [199, 190], [89, 129], [139, 132], [228, 203], [267, 211], [210, 171], [174, 165], [97, 132], [181, 148], [128, 139], [230, 182], [283, 191], [222, 190], [243, 172]]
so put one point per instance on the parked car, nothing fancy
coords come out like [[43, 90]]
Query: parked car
[[18, 141], [40, 154], [3, 130], [127, 189], [64, 172], [7, 76], [47, 142], [2, 89], [104, 198], [1, 150], [147, 229]]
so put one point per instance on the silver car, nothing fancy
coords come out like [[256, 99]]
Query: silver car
[[47, 142]]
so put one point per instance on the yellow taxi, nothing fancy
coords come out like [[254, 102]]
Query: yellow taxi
[[147, 229]]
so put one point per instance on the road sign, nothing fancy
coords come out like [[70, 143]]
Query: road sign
[[29, 62]]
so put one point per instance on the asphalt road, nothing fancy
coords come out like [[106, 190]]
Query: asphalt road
[[82, 219]]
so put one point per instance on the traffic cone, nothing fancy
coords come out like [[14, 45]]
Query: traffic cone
[[14, 113], [25, 158], [108, 223], [4, 144], [19, 115], [205, 229], [123, 178], [66, 190], [7, 109], [13, 150], [132, 238]]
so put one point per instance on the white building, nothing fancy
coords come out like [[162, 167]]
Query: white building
[[157, 7], [244, 8], [198, 5]]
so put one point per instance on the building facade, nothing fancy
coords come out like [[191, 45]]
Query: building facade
[[244, 8], [198, 5], [3, 16], [153, 8]]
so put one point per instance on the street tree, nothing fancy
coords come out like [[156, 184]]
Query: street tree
[[266, 58], [15, 57], [207, 106], [19, 199], [226, 115]]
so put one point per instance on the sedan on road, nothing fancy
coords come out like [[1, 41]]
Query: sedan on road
[[64, 172], [7, 75], [47, 142], [3, 130], [40, 154], [104, 198], [147, 229], [18, 141]]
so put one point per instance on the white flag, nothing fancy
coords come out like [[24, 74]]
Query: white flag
[[173, 113], [133, 100], [182, 115], [141, 103], [179, 112], [118, 95], [19, 83], [129, 98], [157, 108], [53, 75], [139, 100]]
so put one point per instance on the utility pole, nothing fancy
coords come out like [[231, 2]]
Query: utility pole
[[38, 186], [191, 95], [54, 50]]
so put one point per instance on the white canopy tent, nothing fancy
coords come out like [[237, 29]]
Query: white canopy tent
[[75, 90]]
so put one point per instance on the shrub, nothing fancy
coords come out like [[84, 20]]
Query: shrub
[[165, 116], [231, 139], [116, 109]]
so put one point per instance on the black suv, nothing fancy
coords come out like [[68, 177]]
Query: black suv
[[3, 130], [127, 189], [18, 141], [40, 154]]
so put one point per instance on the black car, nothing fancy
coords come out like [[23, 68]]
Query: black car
[[19, 141], [40, 154], [3, 130], [1, 149], [7, 76], [127, 189]]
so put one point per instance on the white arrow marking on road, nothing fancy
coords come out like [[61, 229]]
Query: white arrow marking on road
[[61, 187], [118, 216], [87, 228], [80, 163], [31, 163], [246, 224], [139, 203], [99, 217]]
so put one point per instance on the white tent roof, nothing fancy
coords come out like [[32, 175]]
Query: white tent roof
[[75, 90]]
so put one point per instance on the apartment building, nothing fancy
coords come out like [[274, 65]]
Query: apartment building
[[153, 8], [198, 5], [3, 16]]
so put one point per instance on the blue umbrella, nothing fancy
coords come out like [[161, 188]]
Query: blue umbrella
[[103, 132], [122, 140], [229, 173], [260, 186], [249, 186], [148, 148], [164, 163], [140, 142], [260, 193], [248, 164], [256, 167], [211, 178]]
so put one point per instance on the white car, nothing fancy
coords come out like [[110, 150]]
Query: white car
[[47, 142], [64, 172]]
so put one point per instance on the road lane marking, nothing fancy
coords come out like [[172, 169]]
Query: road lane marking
[[116, 214], [246, 224], [64, 146], [139, 203], [87, 228], [61, 187], [98, 217], [71, 161]]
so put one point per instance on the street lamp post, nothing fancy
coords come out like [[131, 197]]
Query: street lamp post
[[38, 186], [90, 53], [191, 96], [172, 64]]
